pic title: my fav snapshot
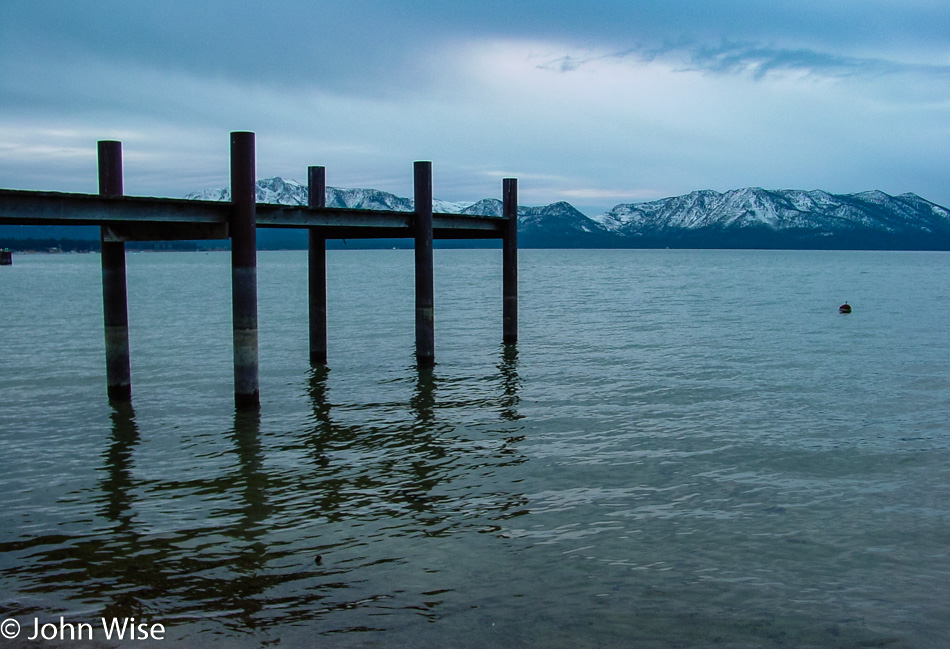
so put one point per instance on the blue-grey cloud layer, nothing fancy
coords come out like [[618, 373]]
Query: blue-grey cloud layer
[[337, 42], [375, 81]]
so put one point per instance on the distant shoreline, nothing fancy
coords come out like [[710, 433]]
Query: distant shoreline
[[58, 247]]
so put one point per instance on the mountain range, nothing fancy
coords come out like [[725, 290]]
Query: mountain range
[[755, 217], [742, 218]]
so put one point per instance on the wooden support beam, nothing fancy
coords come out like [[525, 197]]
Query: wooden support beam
[[164, 231], [244, 270], [135, 218], [61, 208], [370, 221], [115, 302], [317, 268], [425, 307], [292, 216], [510, 261]]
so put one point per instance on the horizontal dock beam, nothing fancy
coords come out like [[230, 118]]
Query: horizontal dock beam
[[133, 218], [60, 208]]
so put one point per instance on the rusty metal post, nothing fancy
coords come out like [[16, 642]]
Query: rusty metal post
[[510, 261], [243, 226], [425, 307], [115, 302], [317, 269]]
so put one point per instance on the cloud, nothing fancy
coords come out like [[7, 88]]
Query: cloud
[[760, 61], [595, 102], [754, 60]]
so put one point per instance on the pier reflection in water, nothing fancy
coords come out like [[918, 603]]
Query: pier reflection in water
[[359, 519]]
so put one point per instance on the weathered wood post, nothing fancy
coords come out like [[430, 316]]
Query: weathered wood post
[[243, 230], [115, 302], [510, 261], [317, 197], [425, 304]]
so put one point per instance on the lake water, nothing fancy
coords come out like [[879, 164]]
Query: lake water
[[685, 449]]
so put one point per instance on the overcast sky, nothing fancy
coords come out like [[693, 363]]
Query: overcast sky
[[595, 103]]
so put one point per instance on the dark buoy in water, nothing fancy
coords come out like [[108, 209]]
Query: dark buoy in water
[[844, 308]]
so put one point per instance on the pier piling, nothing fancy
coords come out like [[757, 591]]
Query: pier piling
[[425, 302], [137, 218], [510, 261], [243, 230], [115, 302], [317, 269]]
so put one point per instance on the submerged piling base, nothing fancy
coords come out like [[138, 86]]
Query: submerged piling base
[[425, 301], [244, 270], [317, 269], [115, 300], [510, 261]]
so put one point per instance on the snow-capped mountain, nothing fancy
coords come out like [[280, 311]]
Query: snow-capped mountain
[[290, 192], [777, 210], [783, 218], [743, 218]]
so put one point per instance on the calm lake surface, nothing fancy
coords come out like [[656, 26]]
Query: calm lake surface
[[685, 449]]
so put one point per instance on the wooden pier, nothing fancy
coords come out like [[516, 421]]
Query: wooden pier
[[124, 218]]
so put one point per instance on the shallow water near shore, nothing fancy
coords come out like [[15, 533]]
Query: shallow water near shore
[[685, 449]]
